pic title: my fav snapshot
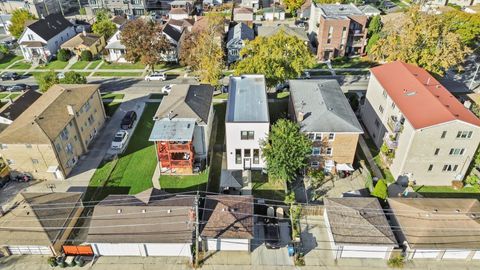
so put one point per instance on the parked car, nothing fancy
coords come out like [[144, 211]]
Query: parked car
[[272, 234], [3, 88], [167, 88], [128, 120], [9, 76], [120, 139], [282, 86], [18, 87], [156, 76], [61, 75]]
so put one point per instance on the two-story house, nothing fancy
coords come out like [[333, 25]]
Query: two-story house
[[236, 38], [116, 50], [337, 30], [324, 114], [431, 137], [247, 122], [48, 138], [123, 7], [41, 40], [182, 128]]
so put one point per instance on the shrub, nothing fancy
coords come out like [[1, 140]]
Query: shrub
[[396, 262], [82, 11], [381, 190], [63, 55], [86, 56], [52, 261]]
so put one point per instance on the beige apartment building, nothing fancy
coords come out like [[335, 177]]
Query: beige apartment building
[[48, 138], [431, 137], [324, 114]]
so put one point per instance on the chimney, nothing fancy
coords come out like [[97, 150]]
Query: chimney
[[428, 81], [84, 33], [467, 104], [70, 110], [300, 116], [170, 115]]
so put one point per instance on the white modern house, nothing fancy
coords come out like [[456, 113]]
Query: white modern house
[[116, 50], [358, 228], [229, 222], [167, 225], [41, 40], [247, 122]]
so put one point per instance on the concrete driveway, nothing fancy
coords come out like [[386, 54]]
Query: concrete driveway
[[271, 257], [316, 243], [11, 189]]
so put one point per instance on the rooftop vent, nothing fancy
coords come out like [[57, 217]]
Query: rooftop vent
[[300, 116], [457, 210], [169, 211], [144, 211], [472, 215], [119, 211], [409, 94]]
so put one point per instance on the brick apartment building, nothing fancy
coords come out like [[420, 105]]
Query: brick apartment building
[[337, 30]]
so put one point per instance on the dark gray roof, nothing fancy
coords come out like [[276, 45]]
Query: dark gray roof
[[247, 99], [267, 31], [355, 220], [325, 107], [187, 101], [17, 107], [152, 216], [240, 31], [369, 9], [231, 178], [51, 26], [172, 32]]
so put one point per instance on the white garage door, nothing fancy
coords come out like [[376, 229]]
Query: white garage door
[[364, 252], [228, 244], [425, 254], [476, 256], [456, 254], [168, 250], [119, 249], [40, 250]]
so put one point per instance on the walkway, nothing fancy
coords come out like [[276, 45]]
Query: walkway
[[368, 155]]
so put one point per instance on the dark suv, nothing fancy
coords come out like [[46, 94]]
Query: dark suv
[[9, 76], [272, 233], [128, 120]]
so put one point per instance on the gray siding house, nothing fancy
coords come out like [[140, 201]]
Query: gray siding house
[[236, 38]]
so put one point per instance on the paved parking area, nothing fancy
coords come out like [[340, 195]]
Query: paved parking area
[[273, 257], [11, 189]]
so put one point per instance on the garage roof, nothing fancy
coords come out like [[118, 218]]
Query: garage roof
[[32, 220], [152, 216], [432, 223], [358, 221], [228, 216]]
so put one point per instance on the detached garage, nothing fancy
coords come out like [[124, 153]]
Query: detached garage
[[151, 223], [228, 222], [36, 225], [439, 229], [358, 228]]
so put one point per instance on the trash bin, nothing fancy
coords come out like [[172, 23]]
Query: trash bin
[[291, 250]]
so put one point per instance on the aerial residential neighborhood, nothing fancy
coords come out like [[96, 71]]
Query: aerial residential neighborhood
[[190, 134]]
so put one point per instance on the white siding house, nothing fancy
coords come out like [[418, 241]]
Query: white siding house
[[116, 50], [247, 122], [41, 40]]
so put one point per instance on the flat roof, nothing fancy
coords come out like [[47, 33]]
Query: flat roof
[[172, 130], [247, 99], [340, 10]]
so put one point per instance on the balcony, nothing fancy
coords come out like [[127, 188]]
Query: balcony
[[180, 147], [181, 163], [357, 32], [391, 141], [395, 125]]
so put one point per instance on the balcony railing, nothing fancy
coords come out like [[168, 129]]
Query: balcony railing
[[395, 126], [181, 163], [180, 147], [391, 141]]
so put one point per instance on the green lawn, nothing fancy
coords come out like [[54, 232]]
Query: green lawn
[[378, 160], [4, 95], [14, 96], [359, 72], [156, 96], [21, 65], [80, 65], [447, 192], [221, 96], [135, 167], [283, 95], [8, 60], [175, 183], [263, 187], [112, 95], [122, 66], [278, 109], [359, 62], [56, 64], [320, 66], [8, 95], [167, 66], [111, 107], [117, 74], [95, 64]]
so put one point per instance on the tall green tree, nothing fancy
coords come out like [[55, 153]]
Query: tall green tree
[[46, 80], [104, 28], [285, 150], [19, 19], [144, 42], [73, 77], [293, 5], [375, 25], [424, 40], [466, 25], [279, 57]]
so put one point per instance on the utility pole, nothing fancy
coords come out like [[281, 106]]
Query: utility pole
[[473, 79], [197, 225]]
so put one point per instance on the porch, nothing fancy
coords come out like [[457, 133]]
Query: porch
[[35, 52]]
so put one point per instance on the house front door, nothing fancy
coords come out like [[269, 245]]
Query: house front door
[[247, 163]]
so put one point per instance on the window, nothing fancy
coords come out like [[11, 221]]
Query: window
[[384, 94], [329, 151], [377, 124], [11, 162], [331, 136], [87, 106], [256, 156], [456, 151], [238, 156], [380, 108], [449, 168], [330, 34], [314, 164], [64, 134], [430, 167], [247, 135], [311, 136], [444, 133], [91, 120], [247, 153], [315, 136], [34, 161], [315, 151], [69, 148], [393, 105], [58, 147], [464, 134], [437, 151], [28, 145], [30, 37]]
